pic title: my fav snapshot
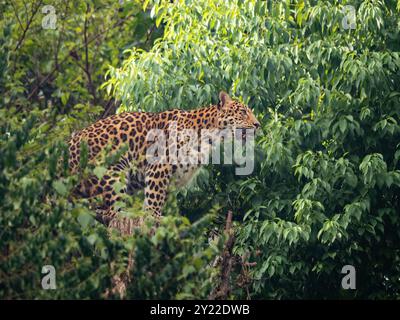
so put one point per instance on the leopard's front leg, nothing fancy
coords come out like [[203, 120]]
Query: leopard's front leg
[[157, 179]]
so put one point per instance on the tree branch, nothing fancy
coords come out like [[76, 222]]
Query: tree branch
[[17, 16], [87, 64], [28, 24], [222, 291]]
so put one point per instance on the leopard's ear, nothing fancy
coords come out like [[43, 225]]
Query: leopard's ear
[[224, 98]]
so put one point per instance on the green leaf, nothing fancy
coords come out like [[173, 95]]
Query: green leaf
[[100, 171], [60, 187], [85, 218]]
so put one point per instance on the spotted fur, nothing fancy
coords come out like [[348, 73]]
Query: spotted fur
[[131, 128]]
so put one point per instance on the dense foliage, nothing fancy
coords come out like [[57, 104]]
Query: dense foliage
[[50, 83], [325, 189]]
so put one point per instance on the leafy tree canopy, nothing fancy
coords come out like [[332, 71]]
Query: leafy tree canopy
[[325, 189]]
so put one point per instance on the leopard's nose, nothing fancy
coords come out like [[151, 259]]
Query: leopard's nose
[[257, 124]]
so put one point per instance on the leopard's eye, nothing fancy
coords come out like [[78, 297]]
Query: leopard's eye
[[244, 112]]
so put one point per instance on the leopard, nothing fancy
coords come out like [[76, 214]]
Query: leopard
[[133, 129]]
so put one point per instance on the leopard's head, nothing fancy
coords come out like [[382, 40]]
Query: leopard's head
[[234, 114]]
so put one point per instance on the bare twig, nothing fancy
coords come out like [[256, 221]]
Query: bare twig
[[244, 278], [17, 16], [121, 281], [28, 24], [111, 104], [222, 291], [87, 64]]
